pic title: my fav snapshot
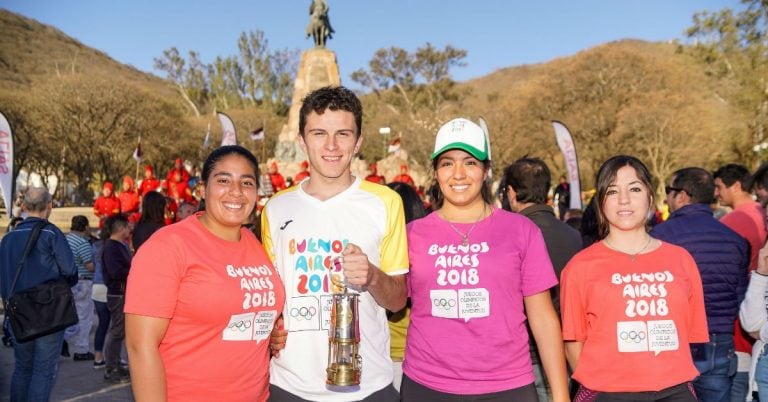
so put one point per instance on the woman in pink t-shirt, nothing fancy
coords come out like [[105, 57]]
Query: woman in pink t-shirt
[[475, 272], [631, 304], [202, 296]]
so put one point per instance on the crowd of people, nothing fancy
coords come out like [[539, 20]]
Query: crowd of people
[[468, 294]]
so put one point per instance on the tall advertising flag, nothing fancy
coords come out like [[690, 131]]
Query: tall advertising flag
[[6, 163], [567, 147], [228, 136]]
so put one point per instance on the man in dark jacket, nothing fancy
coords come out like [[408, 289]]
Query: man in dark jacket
[[36, 361], [722, 257], [524, 190]]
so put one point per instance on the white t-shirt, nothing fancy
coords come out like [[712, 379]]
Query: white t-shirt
[[303, 235]]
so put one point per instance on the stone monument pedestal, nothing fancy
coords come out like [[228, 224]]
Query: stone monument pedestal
[[318, 68]]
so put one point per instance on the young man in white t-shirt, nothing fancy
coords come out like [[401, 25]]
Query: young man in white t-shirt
[[305, 228]]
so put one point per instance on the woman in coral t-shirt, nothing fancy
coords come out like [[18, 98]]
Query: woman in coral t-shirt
[[631, 304], [202, 296]]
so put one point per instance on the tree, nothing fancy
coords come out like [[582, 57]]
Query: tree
[[187, 76], [416, 88], [93, 125], [734, 46]]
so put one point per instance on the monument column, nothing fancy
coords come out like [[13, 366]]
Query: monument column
[[318, 68]]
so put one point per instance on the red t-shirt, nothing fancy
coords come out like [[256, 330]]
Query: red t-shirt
[[376, 179], [129, 201], [148, 185], [278, 181], [104, 207], [635, 318], [222, 299], [404, 178]]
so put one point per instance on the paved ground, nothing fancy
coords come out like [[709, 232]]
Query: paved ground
[[77, 381]]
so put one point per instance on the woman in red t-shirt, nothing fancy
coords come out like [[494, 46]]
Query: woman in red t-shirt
[[631, 304], [203, 296]]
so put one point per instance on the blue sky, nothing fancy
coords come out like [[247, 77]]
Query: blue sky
[[496, 34]]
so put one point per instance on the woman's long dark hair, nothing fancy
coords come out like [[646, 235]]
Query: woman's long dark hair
[[153, 208]]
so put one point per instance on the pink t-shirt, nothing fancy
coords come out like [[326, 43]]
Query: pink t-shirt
[[748, 220], [222, 299], [467, 333]]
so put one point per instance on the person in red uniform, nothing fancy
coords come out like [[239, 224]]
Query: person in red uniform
[[303, 174], [374, 176], [129, 199], [107, 204], [278, 181], [150, 182], [178, 188], [178, 166], [404, 177]]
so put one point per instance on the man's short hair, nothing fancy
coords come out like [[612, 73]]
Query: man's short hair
[[333, 98], [733, 172], [79, 223], [697, 183], [530, 178], [36, 199]]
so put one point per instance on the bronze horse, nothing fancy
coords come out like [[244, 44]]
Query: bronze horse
[[319, 26]]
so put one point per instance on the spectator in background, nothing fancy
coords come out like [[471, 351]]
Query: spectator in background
[[185, 209], [732, 184], [36, 362], [526, 183], [178, 167], [78, 335], [107, 204], [398, 321], [116, 260], [303, 173], [404, 177], [722, 258], [277, 180], [150, 182], [374, 176], [152, 218], [129, 199], [99, 296], [562, 197], [760, 184], [589, 227]]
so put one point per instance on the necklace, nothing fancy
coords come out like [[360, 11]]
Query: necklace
[[465, 236], [632, 256]]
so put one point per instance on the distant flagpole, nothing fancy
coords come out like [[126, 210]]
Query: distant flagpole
[[207, 140], [568, 148], [6, 164], [137, 156], [228, 134]]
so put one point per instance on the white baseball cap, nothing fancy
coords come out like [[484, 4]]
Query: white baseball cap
[[462, 134]]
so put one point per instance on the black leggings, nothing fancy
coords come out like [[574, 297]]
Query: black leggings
[[679, 393], [411, 391]]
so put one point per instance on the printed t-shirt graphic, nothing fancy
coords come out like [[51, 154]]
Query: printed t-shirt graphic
[[303, 236], [467, 333], [636, 317], [222, 298]]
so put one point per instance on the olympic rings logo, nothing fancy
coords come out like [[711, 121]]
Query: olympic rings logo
[[444, 303], [303, 313], [240, 325], [632, 336]]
